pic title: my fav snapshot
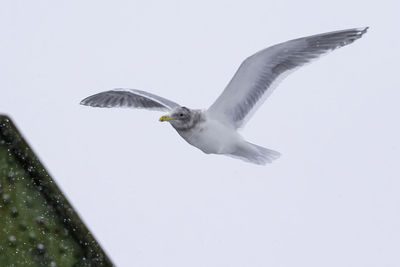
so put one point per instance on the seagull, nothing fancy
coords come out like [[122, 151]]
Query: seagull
[[215, 130]]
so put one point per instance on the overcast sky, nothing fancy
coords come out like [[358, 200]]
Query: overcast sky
[[151, 199]]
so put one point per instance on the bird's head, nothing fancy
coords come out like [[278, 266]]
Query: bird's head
[[181, 118]]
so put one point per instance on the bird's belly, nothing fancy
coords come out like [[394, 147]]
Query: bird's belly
[[212, 138]]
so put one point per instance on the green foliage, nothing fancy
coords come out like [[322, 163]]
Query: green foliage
[[38, 227]]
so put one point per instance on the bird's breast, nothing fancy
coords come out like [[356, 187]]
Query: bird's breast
[[211, 137]]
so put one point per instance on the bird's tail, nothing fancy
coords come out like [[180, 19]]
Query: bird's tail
[[255, 154]]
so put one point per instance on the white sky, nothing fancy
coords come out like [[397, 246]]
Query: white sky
[[332, 199]]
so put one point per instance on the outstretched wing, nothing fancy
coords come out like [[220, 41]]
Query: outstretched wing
[[257, 76], [129, 98]]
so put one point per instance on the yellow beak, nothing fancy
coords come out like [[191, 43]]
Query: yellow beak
[[165, 118]]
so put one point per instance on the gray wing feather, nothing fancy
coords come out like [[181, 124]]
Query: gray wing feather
[[129, 98], [257, 76]]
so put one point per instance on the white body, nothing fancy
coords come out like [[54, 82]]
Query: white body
[[212, 137]]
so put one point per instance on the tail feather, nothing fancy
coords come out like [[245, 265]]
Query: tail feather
[[255, 154]]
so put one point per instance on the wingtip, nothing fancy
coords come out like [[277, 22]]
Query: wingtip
[[85, 102], [363, 30], [82, 102]]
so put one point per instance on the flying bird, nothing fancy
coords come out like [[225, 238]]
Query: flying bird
[[214, 130]]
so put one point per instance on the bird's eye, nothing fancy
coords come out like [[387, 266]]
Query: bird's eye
[[181, 115]]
